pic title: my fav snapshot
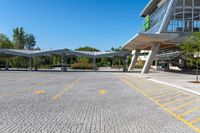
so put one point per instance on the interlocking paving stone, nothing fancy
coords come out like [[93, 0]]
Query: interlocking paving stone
[[81, 109]]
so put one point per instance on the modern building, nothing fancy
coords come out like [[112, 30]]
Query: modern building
[[166, 22]]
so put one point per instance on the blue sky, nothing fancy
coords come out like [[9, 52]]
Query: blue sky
[[73, 23]]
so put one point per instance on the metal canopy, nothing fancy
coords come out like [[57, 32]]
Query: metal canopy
[[89, 54]]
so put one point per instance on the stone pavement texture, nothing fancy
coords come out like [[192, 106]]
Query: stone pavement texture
[[45, 102], [177, 79]]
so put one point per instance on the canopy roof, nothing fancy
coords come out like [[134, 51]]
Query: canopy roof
[[144, 41], [34, 53]]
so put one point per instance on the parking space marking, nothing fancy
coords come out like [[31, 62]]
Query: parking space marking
[[189, 111], [195, 120], [171, 97], [57, 96], [186, 122], [185, 104], [178, 100], [163, 94], [158, 92]]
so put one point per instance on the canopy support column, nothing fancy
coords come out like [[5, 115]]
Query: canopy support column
[[30, 63], [64, 68], [152, 53], [134, 59], [7, 65], [125, 63], [94, 64]]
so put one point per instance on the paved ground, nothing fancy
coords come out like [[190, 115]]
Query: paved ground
[[45, 102], [178, 79]]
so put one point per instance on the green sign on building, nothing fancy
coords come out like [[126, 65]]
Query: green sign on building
[[147, 23]]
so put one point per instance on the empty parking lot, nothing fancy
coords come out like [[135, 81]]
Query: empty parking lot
[[80, 102]]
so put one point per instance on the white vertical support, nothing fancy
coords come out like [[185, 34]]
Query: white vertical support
[[134, 59], [152, 53], [30, 63]]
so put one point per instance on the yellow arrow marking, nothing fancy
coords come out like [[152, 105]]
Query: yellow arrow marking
[[102, 92], [39, 92]]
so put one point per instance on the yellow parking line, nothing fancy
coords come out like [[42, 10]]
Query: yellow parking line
[[183, 105], [160, 105], [164, 94], [64, 90], [168, 98], [178, 100], [156, 91], [189, 111], [195, 120]]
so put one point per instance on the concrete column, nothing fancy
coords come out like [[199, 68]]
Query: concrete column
[[152, 53], [156, 64], [7, 65], [134, 59], [64, 68], [30, 63], [94, 64], [125, 63]]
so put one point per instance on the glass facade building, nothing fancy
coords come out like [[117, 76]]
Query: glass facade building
[[174, 16]]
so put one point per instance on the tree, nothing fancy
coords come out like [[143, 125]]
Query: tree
[[19, 38], [22, 40], [85, 59], [192, 48], [30, 41], [87, 49], [117, 49], [5, 42]]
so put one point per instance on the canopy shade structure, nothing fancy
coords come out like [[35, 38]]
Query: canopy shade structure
[[66, 52], [144, 41]]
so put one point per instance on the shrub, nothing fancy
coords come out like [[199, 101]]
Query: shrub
[[82, 66], [139, 64], [117, 66]]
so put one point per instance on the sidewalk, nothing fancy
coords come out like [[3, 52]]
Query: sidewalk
[[177, 80]]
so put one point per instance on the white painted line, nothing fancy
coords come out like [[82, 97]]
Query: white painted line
[[172, 85], [176, 86]]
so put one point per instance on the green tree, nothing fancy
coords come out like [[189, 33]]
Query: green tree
[[5, 42], [19, 36], [87, 49], [117, 49], [85, 59], [30, 41], [191, 47]]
